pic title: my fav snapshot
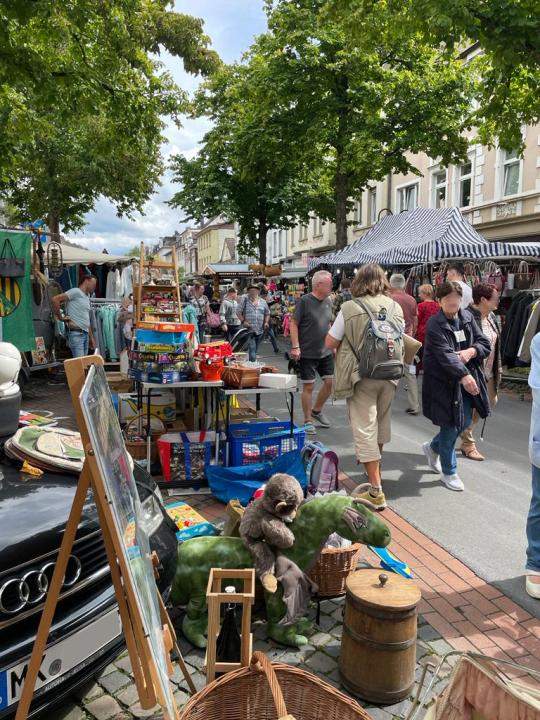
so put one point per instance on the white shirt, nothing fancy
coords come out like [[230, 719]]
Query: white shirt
[[337, 331], [466, 299], [534, 383]]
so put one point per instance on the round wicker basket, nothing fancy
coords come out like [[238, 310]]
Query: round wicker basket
[[266, 691]]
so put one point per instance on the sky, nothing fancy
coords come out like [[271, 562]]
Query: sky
[[231, 25]]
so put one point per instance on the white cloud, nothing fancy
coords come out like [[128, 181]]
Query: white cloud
[[232, 25]]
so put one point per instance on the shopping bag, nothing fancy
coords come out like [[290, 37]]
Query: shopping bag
[[522, 277], [10, 266]]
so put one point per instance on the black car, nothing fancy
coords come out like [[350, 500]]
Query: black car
[[86, 633]]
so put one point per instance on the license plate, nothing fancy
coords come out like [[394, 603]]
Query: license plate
[[63, 659]]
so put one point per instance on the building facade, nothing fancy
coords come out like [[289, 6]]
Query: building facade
[[215, 240], [497, 191]]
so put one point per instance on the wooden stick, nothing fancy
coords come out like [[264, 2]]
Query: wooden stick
[[51, 600]]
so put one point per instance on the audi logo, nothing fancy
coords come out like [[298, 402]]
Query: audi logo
[[16, 593]]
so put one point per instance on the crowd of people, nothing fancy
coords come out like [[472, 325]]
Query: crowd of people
[[459, 359], [353, 338]]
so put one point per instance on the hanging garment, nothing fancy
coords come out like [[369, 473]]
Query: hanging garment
[[114, 285], [129, 278], [108, 316], [533, 325]]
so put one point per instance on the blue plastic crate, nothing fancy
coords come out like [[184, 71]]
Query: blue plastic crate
[[258, 442]]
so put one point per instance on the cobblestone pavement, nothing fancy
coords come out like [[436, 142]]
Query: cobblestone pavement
[[113, 695]]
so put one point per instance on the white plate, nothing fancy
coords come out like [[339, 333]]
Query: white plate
[[62, 659]]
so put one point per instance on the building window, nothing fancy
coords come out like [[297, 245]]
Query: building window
[[274, 254], [408, 197], [511, 165], [465, 181], [438, 189], [304, 232], [372, 205], [292, 236], [358, 212]]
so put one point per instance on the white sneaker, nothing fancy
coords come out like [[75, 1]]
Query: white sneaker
[[432, 458], [453, 482], [533, 589]]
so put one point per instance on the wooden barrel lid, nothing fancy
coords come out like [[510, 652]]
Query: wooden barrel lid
[[386, 591]]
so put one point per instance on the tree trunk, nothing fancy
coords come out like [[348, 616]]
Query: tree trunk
[[54, 225], [341, 180], [341, 193], [262, 231]]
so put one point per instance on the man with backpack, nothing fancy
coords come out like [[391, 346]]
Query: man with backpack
[[368, 337]]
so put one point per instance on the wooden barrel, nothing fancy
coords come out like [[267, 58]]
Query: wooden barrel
[[378, 648]]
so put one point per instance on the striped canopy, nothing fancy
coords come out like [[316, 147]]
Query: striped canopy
[[423, 236]]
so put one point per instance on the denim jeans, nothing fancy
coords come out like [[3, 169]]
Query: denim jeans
[[78, 343], [445, 441], [253, 346], [272, 337], [533, 524]]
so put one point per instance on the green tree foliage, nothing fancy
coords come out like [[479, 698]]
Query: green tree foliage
[[251, 167], [508, 32], [363, 100], [82, 101], [134, 252]]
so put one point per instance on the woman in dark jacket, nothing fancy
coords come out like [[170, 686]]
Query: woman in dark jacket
[[454, 382]]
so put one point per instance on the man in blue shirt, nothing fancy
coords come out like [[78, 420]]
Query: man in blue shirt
[[77, 317]]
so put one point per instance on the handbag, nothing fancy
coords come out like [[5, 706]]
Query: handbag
[[11, 266], [522, 277], [492, 275]]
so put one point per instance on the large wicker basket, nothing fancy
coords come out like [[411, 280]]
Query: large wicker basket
[[266, 691], [333, 568]]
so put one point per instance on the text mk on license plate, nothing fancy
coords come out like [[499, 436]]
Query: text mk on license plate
[[61, 658]]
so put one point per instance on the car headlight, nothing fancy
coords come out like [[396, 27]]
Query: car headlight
[[152, 514]]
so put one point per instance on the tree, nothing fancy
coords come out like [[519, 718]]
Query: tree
[[364, 102], [508, 32], [134, 252], [82, 101], [246, 169]]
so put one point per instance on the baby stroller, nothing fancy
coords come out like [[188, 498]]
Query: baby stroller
[[241, 338]]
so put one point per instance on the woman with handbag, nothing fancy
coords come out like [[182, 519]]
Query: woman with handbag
[[454, 383], [485, 302]]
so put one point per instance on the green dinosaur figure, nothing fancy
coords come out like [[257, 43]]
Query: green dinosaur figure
[[315, 521]]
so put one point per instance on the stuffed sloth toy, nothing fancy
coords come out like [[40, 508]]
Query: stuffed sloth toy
[[264, 525]]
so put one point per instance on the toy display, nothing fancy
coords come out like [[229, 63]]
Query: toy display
[[314, 522], [264, 525]]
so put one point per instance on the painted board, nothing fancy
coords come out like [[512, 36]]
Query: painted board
[[116, 473]]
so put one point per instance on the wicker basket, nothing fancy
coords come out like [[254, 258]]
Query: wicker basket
[[333, 568], [137, 448], [266, 691]]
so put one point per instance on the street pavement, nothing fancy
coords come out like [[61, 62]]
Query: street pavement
[[484, 526]]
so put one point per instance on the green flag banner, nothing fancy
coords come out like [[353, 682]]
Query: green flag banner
[[16, 324]]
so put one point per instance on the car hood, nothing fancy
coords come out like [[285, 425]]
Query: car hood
[[33, 514]]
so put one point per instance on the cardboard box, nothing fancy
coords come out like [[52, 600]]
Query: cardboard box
[[162, 405]]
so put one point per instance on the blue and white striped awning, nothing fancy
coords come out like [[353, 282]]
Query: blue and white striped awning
[[423, 236]]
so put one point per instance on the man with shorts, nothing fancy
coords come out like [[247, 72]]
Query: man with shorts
[[309, 327]]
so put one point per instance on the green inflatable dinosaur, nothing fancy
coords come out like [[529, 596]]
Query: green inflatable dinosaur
[[315, 521]]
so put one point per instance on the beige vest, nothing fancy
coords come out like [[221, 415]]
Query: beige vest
[[356, 319]]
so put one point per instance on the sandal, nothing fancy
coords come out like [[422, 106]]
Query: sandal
[[472, 454]]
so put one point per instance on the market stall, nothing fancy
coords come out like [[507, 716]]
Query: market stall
[[421, 242], [221, 273]]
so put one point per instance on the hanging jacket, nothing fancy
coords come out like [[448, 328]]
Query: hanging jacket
[[442, 400]]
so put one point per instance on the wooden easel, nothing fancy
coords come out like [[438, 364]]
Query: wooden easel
[[143, 660], [216, 597]]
